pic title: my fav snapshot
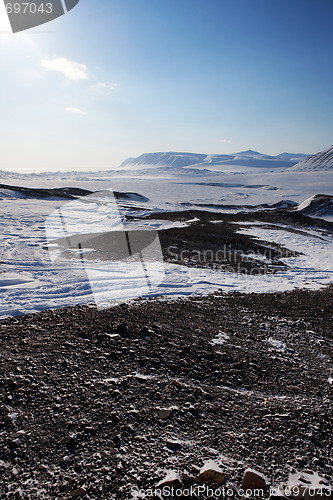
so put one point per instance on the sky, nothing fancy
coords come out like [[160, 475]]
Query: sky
[[114, 79]]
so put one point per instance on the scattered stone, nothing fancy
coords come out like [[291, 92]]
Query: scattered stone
[[235, 426], [64, 462], [13, 444], [104, 470], [173, 444], [146, 332], [117, 439], [172, 480], [191, 399], [18, 434], [79, 492], [164, 413], [211, 473], [254, 480], [71, 443], [122, 330]]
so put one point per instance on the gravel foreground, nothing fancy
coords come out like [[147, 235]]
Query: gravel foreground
[[182, 393]]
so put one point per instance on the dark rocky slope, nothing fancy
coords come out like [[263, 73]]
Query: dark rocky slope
[[96, 403]]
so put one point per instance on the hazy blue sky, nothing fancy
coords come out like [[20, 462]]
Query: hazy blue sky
[[117, 78]]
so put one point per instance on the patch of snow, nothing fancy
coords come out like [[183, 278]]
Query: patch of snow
[[30, 283], [305, 203], [170, 476], [221, 338], [277, 344], [111, 380], [211, 465], [308, 482], [141, 376]]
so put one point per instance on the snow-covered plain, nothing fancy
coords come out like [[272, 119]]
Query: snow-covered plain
[[30, 282]]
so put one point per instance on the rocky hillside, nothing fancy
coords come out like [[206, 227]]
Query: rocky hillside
[[229, 391]]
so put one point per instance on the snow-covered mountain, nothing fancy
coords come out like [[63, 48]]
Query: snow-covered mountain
[[180, 160], [292, 156], [319, 161], [172, 159]]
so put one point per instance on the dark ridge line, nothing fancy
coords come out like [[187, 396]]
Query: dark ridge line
[[280, 216], [65, 192]]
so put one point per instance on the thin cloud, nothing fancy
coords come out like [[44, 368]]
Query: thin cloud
[[109, 86], [70, 69], [225, 141], [78, 111]]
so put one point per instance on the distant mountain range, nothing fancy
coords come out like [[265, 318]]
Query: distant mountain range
[[248, 158], [319, 161]]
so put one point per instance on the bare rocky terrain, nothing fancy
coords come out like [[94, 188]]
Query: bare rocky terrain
[[102, 404]]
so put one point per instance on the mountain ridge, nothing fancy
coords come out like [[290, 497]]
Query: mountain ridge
[[248, 158]]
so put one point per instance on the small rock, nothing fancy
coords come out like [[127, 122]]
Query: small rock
[[79, 492], [71, 443], [64, 462], [191, 399], [104, 470], [122, 330], [171, 480], [12, 386], [207, 396], [211, 477], [164, 413], [18, 434], [254, 480], [146, 332], [114, 417], [173, 444], [117, 440], [194, 411], [211, 473], [13, 444]]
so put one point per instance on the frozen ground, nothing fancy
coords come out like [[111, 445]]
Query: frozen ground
[[30, 282], [106, 402], [101, 404]]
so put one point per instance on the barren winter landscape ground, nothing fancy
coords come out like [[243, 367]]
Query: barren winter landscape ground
[[167, 327]]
